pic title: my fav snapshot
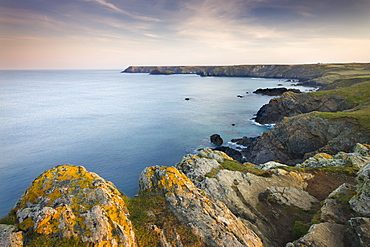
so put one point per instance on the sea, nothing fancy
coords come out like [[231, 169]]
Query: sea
[[116, 124]]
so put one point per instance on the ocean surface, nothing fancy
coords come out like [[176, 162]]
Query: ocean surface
[[115, 124]]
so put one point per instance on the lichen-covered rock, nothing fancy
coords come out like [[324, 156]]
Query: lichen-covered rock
[[292, 197], [213, 154], [363, 149], [361, 202], [10, 237], [335, 207], [323, 234], [340, 159], [208, 218], [240, 192], [196, 168], [69, 201], [322, 159]]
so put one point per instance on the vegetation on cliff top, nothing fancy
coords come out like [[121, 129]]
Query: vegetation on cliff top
[[357, 95]]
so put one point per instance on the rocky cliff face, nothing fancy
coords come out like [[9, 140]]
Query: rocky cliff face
[[302, 136], [207, 217], [68, 201], [291, 104]]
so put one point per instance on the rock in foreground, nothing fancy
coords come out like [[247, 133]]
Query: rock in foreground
[[207, 217], [68, 201]]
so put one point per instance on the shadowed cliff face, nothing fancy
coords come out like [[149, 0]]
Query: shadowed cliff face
[[291, 104], [302, 136]]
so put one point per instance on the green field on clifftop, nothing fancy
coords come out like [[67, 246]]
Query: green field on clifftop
[[357, 95]]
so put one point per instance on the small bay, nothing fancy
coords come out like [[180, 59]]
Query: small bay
[[115, 124]]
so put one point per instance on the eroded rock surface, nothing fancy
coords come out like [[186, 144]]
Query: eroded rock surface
[[68, 201], [208, 218], [292, 197]]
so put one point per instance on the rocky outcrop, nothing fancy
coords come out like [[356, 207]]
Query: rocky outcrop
[[216, 139], [291, 197], [208, 218], [291, 104], [275, 91], [241, 191], [10, 236], [302, 136], [344, 214], [68, 201]]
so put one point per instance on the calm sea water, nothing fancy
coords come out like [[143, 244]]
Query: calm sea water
[[114, 124]]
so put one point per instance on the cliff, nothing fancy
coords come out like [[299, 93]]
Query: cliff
[[207, 199], [312, 74], [324, 121]]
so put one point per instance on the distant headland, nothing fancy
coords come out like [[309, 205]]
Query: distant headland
[[320, 74]]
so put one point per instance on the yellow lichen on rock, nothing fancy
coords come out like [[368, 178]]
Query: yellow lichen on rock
[[323, 156], [69, 201]]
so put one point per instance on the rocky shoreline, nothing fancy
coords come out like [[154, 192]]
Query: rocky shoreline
[[305, 182], [213, 199]]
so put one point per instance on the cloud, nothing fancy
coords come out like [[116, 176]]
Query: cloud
[[114, 8]]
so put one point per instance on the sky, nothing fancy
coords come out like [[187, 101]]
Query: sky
[[113, 34]]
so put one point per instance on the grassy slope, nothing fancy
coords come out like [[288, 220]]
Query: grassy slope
[[358, 95]]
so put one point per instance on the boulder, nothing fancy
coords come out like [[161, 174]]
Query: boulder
[[291, 197], [68, 201], [335, 208], [10, 236], [270, 166], [323, 234], [213, 154], [208, 217], [216, 139]]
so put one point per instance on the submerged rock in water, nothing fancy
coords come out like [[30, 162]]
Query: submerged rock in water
[[68, 201], [216, 139]]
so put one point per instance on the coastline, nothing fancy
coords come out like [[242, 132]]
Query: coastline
[[303, 150]]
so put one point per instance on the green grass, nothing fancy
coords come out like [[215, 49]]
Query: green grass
[[10, 219], [352, 170], [355, 95], [233, 165], [37, 240]]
